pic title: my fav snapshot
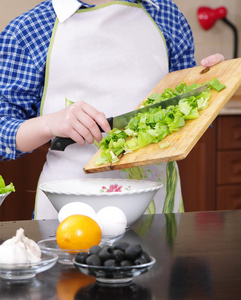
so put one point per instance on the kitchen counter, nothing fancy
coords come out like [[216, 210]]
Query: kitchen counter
[[197, 257], [233, 107]]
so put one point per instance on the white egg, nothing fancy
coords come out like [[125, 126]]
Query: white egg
[[112, 220], [74, 208]]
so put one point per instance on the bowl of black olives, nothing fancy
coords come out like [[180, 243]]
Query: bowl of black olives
[[116, 264]]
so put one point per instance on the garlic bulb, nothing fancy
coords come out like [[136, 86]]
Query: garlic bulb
[[19, 249]]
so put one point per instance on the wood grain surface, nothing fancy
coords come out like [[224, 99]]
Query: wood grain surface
[[181, 142]]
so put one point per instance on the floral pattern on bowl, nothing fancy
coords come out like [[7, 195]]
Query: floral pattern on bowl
[[114, 188]]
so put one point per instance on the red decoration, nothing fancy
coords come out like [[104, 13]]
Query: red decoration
[[207, 16]]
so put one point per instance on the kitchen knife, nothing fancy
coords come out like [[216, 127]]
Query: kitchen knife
[[59, 143]]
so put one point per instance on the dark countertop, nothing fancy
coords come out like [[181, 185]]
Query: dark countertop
[[198, 257]]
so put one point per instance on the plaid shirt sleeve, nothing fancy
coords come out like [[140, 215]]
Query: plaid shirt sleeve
[[177, 33], [23, 49]]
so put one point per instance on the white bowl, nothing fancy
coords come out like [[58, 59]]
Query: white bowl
[[133, 198], [3, 196]]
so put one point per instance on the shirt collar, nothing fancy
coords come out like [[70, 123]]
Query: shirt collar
[[65, 8]]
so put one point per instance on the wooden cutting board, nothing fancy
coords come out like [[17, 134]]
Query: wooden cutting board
[[181, 142]]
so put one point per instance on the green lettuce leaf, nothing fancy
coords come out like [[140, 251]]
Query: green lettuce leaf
[[6, 188]]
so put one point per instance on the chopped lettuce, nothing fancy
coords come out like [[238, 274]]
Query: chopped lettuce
[[68, 102], [165, 145], [5, 188], [217, 85], [154, 125], [170, 93], [131, 145]]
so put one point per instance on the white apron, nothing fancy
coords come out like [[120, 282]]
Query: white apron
[[110, 56]]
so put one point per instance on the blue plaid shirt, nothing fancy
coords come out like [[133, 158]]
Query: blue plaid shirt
[[23, 52]]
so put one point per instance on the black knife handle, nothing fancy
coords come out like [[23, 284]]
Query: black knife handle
[[60, 143]]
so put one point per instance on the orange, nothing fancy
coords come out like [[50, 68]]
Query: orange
[[78, 232]]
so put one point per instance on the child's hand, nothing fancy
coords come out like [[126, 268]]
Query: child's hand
[[79, 122]]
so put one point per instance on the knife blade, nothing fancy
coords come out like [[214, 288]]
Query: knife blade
[[60, 143]]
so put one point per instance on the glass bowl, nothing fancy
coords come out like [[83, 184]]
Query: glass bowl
[[3, 196], [109, 240], [26, 271], [115, 275], [65, 256]]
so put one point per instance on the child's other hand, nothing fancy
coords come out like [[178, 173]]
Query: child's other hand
[[212, 60]]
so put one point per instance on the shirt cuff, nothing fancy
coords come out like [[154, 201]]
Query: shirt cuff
[[8, 133]]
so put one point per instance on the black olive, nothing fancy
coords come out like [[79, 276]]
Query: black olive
[[118, 255], [114, 256], [133, 251], [81, 257], [93, 260], [121, 245], [145, 256], [95, 250], [140, 261], [106, 253], [110, 263], [126, 263]]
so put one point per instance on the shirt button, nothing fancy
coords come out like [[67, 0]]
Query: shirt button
[[8, 150]]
